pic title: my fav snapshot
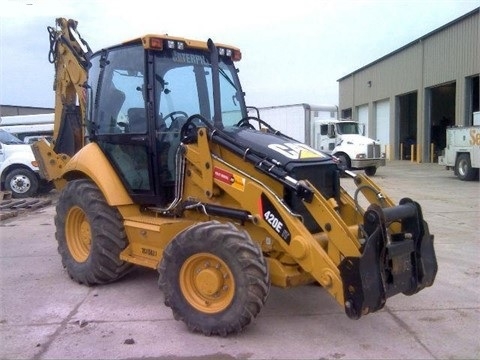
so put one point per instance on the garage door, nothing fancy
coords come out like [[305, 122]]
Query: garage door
[[382, 121], [362, 112]]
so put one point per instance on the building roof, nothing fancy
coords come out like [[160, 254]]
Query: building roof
[[420, 39]]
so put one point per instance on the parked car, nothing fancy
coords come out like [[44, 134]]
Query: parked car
[[19, 172]]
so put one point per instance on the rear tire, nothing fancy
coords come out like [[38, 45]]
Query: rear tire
[[90, 235], [214, 278], [463, 168]]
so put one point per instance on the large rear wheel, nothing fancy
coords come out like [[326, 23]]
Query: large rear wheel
[[90, 235], [214, 278]]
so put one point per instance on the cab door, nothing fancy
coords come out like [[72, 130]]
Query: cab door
[[119, 120], [326, 137]]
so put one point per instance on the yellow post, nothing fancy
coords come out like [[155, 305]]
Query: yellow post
[[401, 151], [432, 152], [412, 152], [419, 153]]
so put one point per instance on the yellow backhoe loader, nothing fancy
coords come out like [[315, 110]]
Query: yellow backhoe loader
[[159, 165]]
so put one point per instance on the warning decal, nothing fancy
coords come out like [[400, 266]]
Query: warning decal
[[228, 178]]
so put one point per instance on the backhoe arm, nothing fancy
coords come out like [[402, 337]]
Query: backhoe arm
[[70, 54]]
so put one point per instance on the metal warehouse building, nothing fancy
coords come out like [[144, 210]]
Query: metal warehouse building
[[410, 96]]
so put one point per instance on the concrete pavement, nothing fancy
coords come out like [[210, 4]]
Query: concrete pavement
[[44, 315]]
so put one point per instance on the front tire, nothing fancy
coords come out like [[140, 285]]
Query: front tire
[[22, 183], [90, 235], [343, 162], [371, 171], [214, 278]]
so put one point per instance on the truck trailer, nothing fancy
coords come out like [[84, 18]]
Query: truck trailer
[[29, 128]]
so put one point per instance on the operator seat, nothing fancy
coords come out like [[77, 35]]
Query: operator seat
[[137, 120], [110, 108]]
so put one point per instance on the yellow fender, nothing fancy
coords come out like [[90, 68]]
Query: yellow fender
[[91, 161]]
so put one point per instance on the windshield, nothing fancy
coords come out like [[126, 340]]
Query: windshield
[[9, 139], [184, 83], [347, 128], [181, 84]]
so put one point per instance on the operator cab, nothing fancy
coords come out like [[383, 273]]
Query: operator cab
[[141, 96]]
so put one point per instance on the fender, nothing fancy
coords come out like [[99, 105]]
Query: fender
[[101, 172]]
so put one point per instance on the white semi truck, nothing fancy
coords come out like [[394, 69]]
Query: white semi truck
[[462, 153], [319, 127]]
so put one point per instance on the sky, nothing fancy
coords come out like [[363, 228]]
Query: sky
[[292, 51]]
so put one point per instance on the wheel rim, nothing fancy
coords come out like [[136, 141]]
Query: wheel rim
[[207, 283], [343, 162], [462, 167], [20, 184], [78, 234]]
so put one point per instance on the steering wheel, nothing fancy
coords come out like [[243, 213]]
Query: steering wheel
[[173, 113], [246, 123]]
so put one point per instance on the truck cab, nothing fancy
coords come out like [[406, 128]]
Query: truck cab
[[345, 140]]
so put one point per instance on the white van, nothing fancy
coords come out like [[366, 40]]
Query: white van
[[19, 172]]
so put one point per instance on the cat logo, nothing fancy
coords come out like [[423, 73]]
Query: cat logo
[[296, 151]]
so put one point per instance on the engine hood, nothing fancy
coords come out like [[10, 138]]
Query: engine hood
[[357, 139], [286, 159], [277, 147]]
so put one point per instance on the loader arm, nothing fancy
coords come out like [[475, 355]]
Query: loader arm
[[70, 55], [362, 257]]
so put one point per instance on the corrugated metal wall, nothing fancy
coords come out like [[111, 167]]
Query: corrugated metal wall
[[401, 73], [449, 54], [452, 53]]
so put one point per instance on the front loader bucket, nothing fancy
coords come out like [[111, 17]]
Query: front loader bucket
[[391, 263]]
